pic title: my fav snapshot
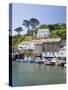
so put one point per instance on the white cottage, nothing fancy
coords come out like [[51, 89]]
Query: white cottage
[[26, 45], [43, 33], [35, 45]]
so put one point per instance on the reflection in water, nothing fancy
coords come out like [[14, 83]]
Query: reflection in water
[[37, 74]]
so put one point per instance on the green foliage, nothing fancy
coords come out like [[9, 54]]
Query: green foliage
[[33, 23], [29, 51], [57, 30], [59, 33], [18, 30], [43, 26], [17, 39], [53, 26]]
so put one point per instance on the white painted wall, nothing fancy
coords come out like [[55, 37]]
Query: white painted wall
[[43, 33], [60, 53], [26, 46]]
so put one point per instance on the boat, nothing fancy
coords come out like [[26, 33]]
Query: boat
[[44, 60], [65, 65], [60, 62], [38, 60], [48, 61], [19, 60], [31, 60], [25, 59], [54, 60], [19, 57]]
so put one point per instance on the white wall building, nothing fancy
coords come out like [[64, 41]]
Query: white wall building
[[26, 45], [43, 33], [37, 46], [60, 53]]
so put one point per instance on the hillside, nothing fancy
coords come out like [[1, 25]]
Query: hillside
[[56, 30], [17, 39]]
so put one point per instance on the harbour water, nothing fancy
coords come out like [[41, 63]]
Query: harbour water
[[26, 74]]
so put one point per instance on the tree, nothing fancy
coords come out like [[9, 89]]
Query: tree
[[32, 23], [18, 30], [63, 26], [59, 33], [43, 26], [26, 23], [57, 26], [51, 27]]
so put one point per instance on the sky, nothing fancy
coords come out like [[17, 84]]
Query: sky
[[46, 14]]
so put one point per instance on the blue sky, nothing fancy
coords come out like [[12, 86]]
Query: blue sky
[[46, 14]]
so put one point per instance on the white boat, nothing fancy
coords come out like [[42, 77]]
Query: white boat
[[44, 60], [25, 59], [48, 61], [65, 65], [38, 60], [19, 60], [31, 59]]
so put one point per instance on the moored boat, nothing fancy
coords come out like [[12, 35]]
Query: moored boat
[[31, 59], [65, 65], [60, 62], [25, 59], [38, 60], [19, 60], [48, 61]]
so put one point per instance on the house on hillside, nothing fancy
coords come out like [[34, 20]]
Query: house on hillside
[[43, 33]]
